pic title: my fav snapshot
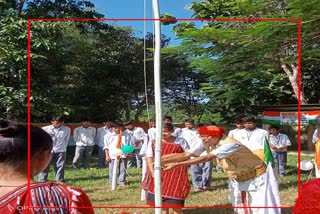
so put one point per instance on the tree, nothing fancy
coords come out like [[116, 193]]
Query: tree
[[13, 54], [246, 61]]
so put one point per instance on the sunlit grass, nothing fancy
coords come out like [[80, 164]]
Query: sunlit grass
[[95, 183]]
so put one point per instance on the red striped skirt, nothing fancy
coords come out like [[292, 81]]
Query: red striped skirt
[[174, 183]]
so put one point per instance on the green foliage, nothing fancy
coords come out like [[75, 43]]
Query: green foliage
[[13, 54], [242, 59]]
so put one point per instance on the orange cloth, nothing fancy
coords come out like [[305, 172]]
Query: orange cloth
[[118, 146], [317, 154], [211, 130]]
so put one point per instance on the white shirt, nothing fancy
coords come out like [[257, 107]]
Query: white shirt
[[176, 132], [253, 140], [101, 133], [111, 141], [280, 141], [233, 133], [60, 137], [314, 136], [152, 133], [84, 136], [180, 141], [138, 134], [221, 152], [144, 147], [224, 151], [191, 136]]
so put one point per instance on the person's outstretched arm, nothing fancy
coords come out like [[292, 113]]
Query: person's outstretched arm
[[175, 157], [201, 159]]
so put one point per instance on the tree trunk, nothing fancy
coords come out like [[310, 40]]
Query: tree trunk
[[292, 72]]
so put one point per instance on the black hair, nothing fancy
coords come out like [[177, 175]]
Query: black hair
[[152, 120], [14, 142], [189, 120], [211, 123], [57, 118], [85, 119], [167, 118], [200, 125], [237, 121], [129, 122], [107, 119], [274, 127], [168, 126], [248, 119], [116, 123]]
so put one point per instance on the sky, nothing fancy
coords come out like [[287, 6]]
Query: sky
[[135, 9]]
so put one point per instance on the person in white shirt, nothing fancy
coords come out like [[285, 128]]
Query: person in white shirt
[[177, 130], [101, 133], [239, 125], [278, 144], [110, 142], [251, 136], [60, 135], [84, 138], [138, 135], [152, 129], [201, 173], [148, 137]]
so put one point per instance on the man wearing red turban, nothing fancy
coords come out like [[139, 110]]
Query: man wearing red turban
[[251, 183]]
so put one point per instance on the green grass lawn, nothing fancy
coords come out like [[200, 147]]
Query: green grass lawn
[[95, 183]]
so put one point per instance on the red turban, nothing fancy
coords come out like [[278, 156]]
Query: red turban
[[309, 198], [211, 130]]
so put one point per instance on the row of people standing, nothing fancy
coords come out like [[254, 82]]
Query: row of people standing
[[85, 137], [254, 138], [60, 134]]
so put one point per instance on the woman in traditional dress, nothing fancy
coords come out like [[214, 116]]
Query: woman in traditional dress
[[175, 186], [17, 195]]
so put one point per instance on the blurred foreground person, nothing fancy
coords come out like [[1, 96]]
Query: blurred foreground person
[[45, 197], [309, 198]]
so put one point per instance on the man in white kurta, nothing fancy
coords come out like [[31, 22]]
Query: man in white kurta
[[60, 135], [201, 173], [279, 143], [101, 134], [138, 135], [251, 136], [110, 143], [84, 137]]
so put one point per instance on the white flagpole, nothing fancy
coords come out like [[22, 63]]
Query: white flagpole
[[144, 170], [157, 93], [114, 174]]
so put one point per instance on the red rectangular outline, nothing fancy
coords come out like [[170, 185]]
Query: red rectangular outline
[[298, 20]]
